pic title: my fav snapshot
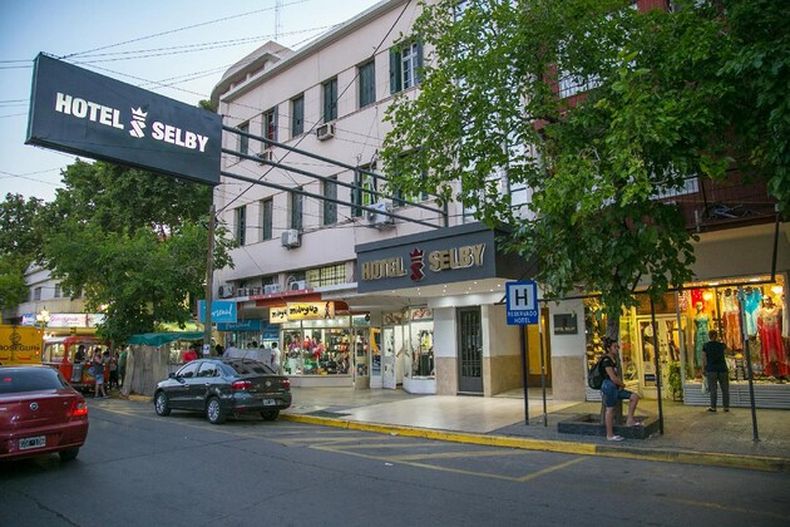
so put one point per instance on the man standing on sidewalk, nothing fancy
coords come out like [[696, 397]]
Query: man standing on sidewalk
[[613, 389], [715, 368]]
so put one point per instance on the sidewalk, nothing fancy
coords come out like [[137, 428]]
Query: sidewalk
[[691, 434]]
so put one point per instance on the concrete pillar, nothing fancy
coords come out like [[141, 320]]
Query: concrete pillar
[[568, 365]]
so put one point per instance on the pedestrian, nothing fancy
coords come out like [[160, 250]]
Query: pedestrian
[[613, 389], [190, 354], [275, 358], [113, 362], [79, 357], [715, 368], [219, 349], [97, 366], [122, 365]]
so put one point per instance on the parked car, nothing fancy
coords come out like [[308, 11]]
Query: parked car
[[40, 413], [220, 387]]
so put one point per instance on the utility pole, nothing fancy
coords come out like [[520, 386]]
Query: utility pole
[[209, 282]]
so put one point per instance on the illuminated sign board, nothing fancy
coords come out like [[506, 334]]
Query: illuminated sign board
[[301, 311], [81, 112]]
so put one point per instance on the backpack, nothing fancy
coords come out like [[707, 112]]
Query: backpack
[[595, 376]]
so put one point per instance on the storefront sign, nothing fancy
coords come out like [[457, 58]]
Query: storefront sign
[[221, 311], [241, 325], [455, 254], [20, 345], [420, 313], [68, 320], [566, 324], [302, 311], [392, 318], [81, 112]]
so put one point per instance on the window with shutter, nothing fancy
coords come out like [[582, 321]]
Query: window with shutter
[[297, 116]]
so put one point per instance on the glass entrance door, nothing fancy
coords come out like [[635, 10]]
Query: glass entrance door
[[470, 351]]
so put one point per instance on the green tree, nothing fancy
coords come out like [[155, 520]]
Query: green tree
[[134, 242], [20, 245], [663, 92]]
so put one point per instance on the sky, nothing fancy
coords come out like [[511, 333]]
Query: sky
[[79, 27]]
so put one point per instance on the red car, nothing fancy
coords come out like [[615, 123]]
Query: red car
[[40, 413]]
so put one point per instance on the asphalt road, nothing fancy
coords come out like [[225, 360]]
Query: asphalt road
[[140, 469]]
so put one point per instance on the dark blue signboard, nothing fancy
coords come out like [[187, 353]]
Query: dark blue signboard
[[252, 325], [521, 302], [78, 111]]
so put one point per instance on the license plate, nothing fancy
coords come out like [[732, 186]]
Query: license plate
[[269, 402], [32, 442]]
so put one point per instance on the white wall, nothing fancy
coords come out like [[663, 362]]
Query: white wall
[[499, 339], [445, 342], [567, 345]]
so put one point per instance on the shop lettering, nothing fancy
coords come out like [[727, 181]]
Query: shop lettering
[[303, 310], [457, 258], [387, 268], [92, 111]]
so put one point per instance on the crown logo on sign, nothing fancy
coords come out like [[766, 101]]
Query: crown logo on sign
[[416, 254], [139, 113]]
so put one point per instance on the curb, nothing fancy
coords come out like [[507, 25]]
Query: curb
[[689, 457]]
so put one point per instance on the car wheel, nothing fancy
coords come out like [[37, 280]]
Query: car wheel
[[270, 415], [69, 454], [161, 404], [214, 412]]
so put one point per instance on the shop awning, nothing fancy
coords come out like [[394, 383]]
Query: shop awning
[[157, 339]]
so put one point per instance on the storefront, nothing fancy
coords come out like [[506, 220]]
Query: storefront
[[449, 334]]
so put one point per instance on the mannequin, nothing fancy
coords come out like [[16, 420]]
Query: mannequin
[[732, 320], [751, 303], [772, 350], [701, 328]]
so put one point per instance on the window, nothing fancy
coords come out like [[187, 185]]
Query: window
[[208, 369], [329, 89], [241, 224], [365, 183], [30, 380], [297, 116], [37, 293], [244, 141], [367, 84], [267, 220], [329, 275], [58, 291], [296, 210], [270, 124], [405, 64], [330, 208], [188, 370]]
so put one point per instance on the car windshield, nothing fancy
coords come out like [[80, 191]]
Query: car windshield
[[248, 367], [29, 380]]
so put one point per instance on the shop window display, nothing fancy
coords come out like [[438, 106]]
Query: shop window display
[[421, 342], [311, 348], [758, 310]]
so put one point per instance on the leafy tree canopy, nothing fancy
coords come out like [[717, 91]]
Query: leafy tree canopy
[[669, 95], [20, 244], [134, 242]]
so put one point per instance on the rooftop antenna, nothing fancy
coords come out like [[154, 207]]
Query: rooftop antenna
[[278, 26]]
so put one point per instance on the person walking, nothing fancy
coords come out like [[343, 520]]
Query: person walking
[[113, 362], [613, 389], [715, 368], [97, 367], [275, 357]]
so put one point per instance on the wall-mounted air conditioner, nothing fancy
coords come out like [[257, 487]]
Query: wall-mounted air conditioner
[[377, 218], [325, 131], [226, 291], [271, 289], [291, 238], [252, 291], [297, 285], [242, 291], [266, 155]]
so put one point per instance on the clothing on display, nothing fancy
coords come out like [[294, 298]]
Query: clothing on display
[[751, 303], [771, 345], [701, 330], [731, 320]]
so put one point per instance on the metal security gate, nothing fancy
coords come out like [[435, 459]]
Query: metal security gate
[[470, 347]]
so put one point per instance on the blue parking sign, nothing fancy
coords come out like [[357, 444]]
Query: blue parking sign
[[521, 302]]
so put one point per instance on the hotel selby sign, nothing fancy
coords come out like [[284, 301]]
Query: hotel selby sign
[[81, 112]]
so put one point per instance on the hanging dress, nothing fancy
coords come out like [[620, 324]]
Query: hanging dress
[[732, 322], [772, 349], [701, 329]]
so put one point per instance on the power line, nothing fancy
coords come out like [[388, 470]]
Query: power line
[[176, 30]]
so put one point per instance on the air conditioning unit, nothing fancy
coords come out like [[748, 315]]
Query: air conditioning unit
[[297, 285], [266, 155], [291, 239], [242, 291], [271, 289], [378, 218], [226, 291], [252, 291], [325, 131]]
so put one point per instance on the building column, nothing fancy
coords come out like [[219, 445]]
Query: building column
[[445, 350], [568, 359]]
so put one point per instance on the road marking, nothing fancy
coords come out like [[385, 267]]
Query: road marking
[[454, 455], [389, 445], [712, 505], [324, 440], [549, 470]]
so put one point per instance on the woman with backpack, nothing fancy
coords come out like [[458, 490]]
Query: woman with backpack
[[613, 389]]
